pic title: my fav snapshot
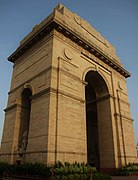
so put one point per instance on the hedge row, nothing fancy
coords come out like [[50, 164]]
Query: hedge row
[[66, 171]]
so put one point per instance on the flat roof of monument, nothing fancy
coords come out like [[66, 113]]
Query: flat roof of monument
[[78, 30]]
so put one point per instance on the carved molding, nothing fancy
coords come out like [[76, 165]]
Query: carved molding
[[13, 107], [68, 53], [77, 19], [123, 117], [120, 85], [48, 151]]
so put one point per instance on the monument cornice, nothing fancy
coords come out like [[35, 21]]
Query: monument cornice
[[93, 50], [74, 36]]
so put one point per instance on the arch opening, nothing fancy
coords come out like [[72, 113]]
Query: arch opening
[[95, 90], [24, 118]]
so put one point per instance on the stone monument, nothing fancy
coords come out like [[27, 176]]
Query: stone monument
[[68, 99]]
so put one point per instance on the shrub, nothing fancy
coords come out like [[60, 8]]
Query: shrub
[[76, 176], [4, 166], [129, 169], [99, 176], [70, 177]]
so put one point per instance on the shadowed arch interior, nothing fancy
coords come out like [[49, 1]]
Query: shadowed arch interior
[[95, 89], [24, 118]]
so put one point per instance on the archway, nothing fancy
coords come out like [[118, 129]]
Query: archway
[[24, 119], [96, 92]]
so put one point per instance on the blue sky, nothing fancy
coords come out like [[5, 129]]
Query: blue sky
[[116, 20]]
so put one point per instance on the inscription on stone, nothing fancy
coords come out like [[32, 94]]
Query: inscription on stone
[[68, 66], [68, 82]]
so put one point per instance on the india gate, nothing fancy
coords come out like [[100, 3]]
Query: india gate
[[68, 99]]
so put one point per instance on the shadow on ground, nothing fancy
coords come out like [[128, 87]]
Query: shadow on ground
[[124, 177]]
